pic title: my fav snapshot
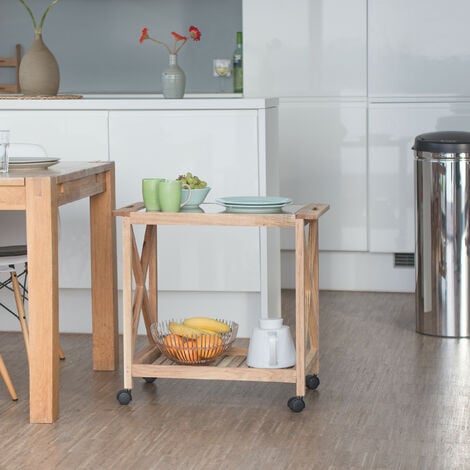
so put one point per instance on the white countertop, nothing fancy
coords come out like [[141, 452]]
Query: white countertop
[[138, 101]]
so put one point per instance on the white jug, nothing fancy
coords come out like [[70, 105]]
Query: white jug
[[271, 345]]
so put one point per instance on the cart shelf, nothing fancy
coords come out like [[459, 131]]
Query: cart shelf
[[142, 301]]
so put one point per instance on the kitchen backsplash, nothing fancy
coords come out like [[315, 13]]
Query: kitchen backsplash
[[96, 42]]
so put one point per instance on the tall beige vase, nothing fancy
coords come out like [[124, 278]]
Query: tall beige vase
[[39, 71]]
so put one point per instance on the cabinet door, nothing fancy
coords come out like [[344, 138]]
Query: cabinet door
[[73, 136], [418, 48], [392, 130], [323, 159], [304, 48], [221, 147]]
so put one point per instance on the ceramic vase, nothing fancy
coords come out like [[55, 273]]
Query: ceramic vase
[[39, 71], [173, 79]]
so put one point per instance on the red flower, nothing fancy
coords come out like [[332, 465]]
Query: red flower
[[144, 35], [178, 37], [180, 40], [194, 33]]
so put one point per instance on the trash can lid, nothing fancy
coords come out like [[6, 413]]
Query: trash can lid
[[443, 142]]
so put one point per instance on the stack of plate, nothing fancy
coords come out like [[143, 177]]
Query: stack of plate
[[254, 204], [28, 163]]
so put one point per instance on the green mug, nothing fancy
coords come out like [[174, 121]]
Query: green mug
[[150, 193], [169, 195]]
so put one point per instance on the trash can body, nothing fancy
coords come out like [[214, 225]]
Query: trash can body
[[442, 216]]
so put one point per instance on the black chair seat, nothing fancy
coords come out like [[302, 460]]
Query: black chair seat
[[13, 250]]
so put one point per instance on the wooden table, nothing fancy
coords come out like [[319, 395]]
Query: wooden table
[[140, 266], [40, 192]]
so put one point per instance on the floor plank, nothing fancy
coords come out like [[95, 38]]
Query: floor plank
[[389, 398]]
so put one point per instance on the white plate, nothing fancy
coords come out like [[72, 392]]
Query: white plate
[[254, 209], [28, 163], [253, 201]]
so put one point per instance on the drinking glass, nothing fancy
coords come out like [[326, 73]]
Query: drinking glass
[[4, 141]]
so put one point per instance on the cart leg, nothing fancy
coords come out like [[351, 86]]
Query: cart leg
[[128, 337], [314, 298], [300, 306]]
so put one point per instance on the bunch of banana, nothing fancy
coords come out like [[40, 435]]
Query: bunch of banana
[[195, 339], [207, 324], [184, 330], [197, 326]]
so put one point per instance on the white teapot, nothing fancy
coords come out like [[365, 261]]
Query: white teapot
[[271, 345]]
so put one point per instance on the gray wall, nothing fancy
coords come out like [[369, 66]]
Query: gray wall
[[96, 41]]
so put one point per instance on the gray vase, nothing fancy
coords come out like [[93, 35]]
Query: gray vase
[[39, 71], [173, 79]]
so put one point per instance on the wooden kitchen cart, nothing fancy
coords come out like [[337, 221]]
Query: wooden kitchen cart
[[140, 297]]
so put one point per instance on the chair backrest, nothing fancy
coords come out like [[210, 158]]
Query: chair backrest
[[13, 62]]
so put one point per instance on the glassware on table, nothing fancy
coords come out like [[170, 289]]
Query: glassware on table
[[4, 141], [222, 69]]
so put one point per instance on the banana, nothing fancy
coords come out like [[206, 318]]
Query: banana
[[209, 332], [207, 323], [184, 330]]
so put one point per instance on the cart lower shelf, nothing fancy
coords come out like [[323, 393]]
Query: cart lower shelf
[[150, 364]]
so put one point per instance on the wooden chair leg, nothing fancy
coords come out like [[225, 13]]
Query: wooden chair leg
[[22, 315], [21, 311], [61, 353], [6, 378]]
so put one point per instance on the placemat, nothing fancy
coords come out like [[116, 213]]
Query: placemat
[[40, 97]]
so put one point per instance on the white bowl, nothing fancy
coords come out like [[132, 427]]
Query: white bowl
[[197, 196]]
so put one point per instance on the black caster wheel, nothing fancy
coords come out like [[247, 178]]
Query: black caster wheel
[[312, 381], [296, 404], [124, 396], [150, 380]]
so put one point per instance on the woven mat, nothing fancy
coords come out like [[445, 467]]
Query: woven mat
[[40, 97]]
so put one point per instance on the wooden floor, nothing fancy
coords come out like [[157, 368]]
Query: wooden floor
[[389, 398]]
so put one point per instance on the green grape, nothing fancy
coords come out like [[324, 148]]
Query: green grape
[[193, 181]]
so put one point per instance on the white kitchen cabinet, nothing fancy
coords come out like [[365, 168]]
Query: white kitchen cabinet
[[305, 48], [232, 143], [392, 129], [323, 158], [418, 48], [227, 148], [74, 135]]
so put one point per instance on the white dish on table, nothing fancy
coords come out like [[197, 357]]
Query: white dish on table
[[254, 204], [30, 163]]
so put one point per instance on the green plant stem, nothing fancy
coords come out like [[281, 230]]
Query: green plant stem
[[30, 14], [46, 11], [38, 30]]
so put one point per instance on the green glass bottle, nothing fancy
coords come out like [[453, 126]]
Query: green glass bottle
[[238, 65]]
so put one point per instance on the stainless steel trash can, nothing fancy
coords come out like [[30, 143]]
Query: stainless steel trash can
[[442, 216]]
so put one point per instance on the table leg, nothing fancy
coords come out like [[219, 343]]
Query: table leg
[[42, 236], [104, 278]]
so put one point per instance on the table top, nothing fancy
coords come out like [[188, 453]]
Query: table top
[[62, 172], [72, 181], [215, 214]]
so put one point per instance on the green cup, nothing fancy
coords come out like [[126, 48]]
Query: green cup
[[169, 195], [150, 193]]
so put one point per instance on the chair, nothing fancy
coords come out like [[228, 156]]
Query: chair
[[13, 62], [10, 258]]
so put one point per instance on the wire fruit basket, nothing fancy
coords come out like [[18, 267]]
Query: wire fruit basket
[[201, 349]]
